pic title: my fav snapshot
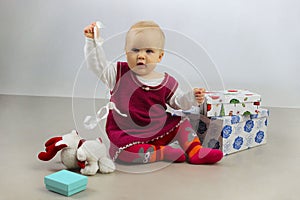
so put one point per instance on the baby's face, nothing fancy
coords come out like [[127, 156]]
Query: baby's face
[[144, 50]]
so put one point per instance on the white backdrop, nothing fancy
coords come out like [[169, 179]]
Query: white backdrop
[[253, 44]]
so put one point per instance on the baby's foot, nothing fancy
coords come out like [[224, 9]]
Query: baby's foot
[[206, 156]]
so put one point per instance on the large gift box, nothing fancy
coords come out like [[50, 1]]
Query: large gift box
[[233, 133], [231, 102], [65, 182]]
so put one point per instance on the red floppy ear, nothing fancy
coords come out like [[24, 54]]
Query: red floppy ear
[[51, 149], [53, 141]]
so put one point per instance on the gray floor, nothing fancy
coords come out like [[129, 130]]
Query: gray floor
[[270, 171]]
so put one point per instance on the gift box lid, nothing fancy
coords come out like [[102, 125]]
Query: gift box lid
[[234, 119], [231, 96], [65, 182]]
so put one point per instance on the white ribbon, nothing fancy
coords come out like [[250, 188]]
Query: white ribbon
[[91, 122], [97, 38]]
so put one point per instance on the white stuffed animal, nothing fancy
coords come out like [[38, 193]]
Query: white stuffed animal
[[76, 152]]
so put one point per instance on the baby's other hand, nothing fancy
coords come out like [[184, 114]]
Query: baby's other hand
[[199, 95], [89, 30]]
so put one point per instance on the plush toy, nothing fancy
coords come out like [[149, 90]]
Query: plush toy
[[76, 152]]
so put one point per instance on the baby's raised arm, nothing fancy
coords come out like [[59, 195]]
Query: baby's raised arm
[[95, 57]]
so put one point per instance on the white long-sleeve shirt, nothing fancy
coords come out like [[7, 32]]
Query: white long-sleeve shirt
[[107, 71]]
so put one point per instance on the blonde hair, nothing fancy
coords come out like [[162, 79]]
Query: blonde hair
[[142, 25]]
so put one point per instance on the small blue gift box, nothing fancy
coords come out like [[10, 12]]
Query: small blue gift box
[[65, 182]]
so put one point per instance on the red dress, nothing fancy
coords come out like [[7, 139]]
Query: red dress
[[145, 107]]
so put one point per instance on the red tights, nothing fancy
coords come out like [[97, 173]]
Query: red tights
[[189, 149]]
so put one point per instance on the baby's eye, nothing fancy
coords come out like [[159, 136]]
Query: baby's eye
[[149, 51], [135, 50]]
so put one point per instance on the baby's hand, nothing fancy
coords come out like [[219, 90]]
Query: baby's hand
[[89, 30], [199, 95]]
